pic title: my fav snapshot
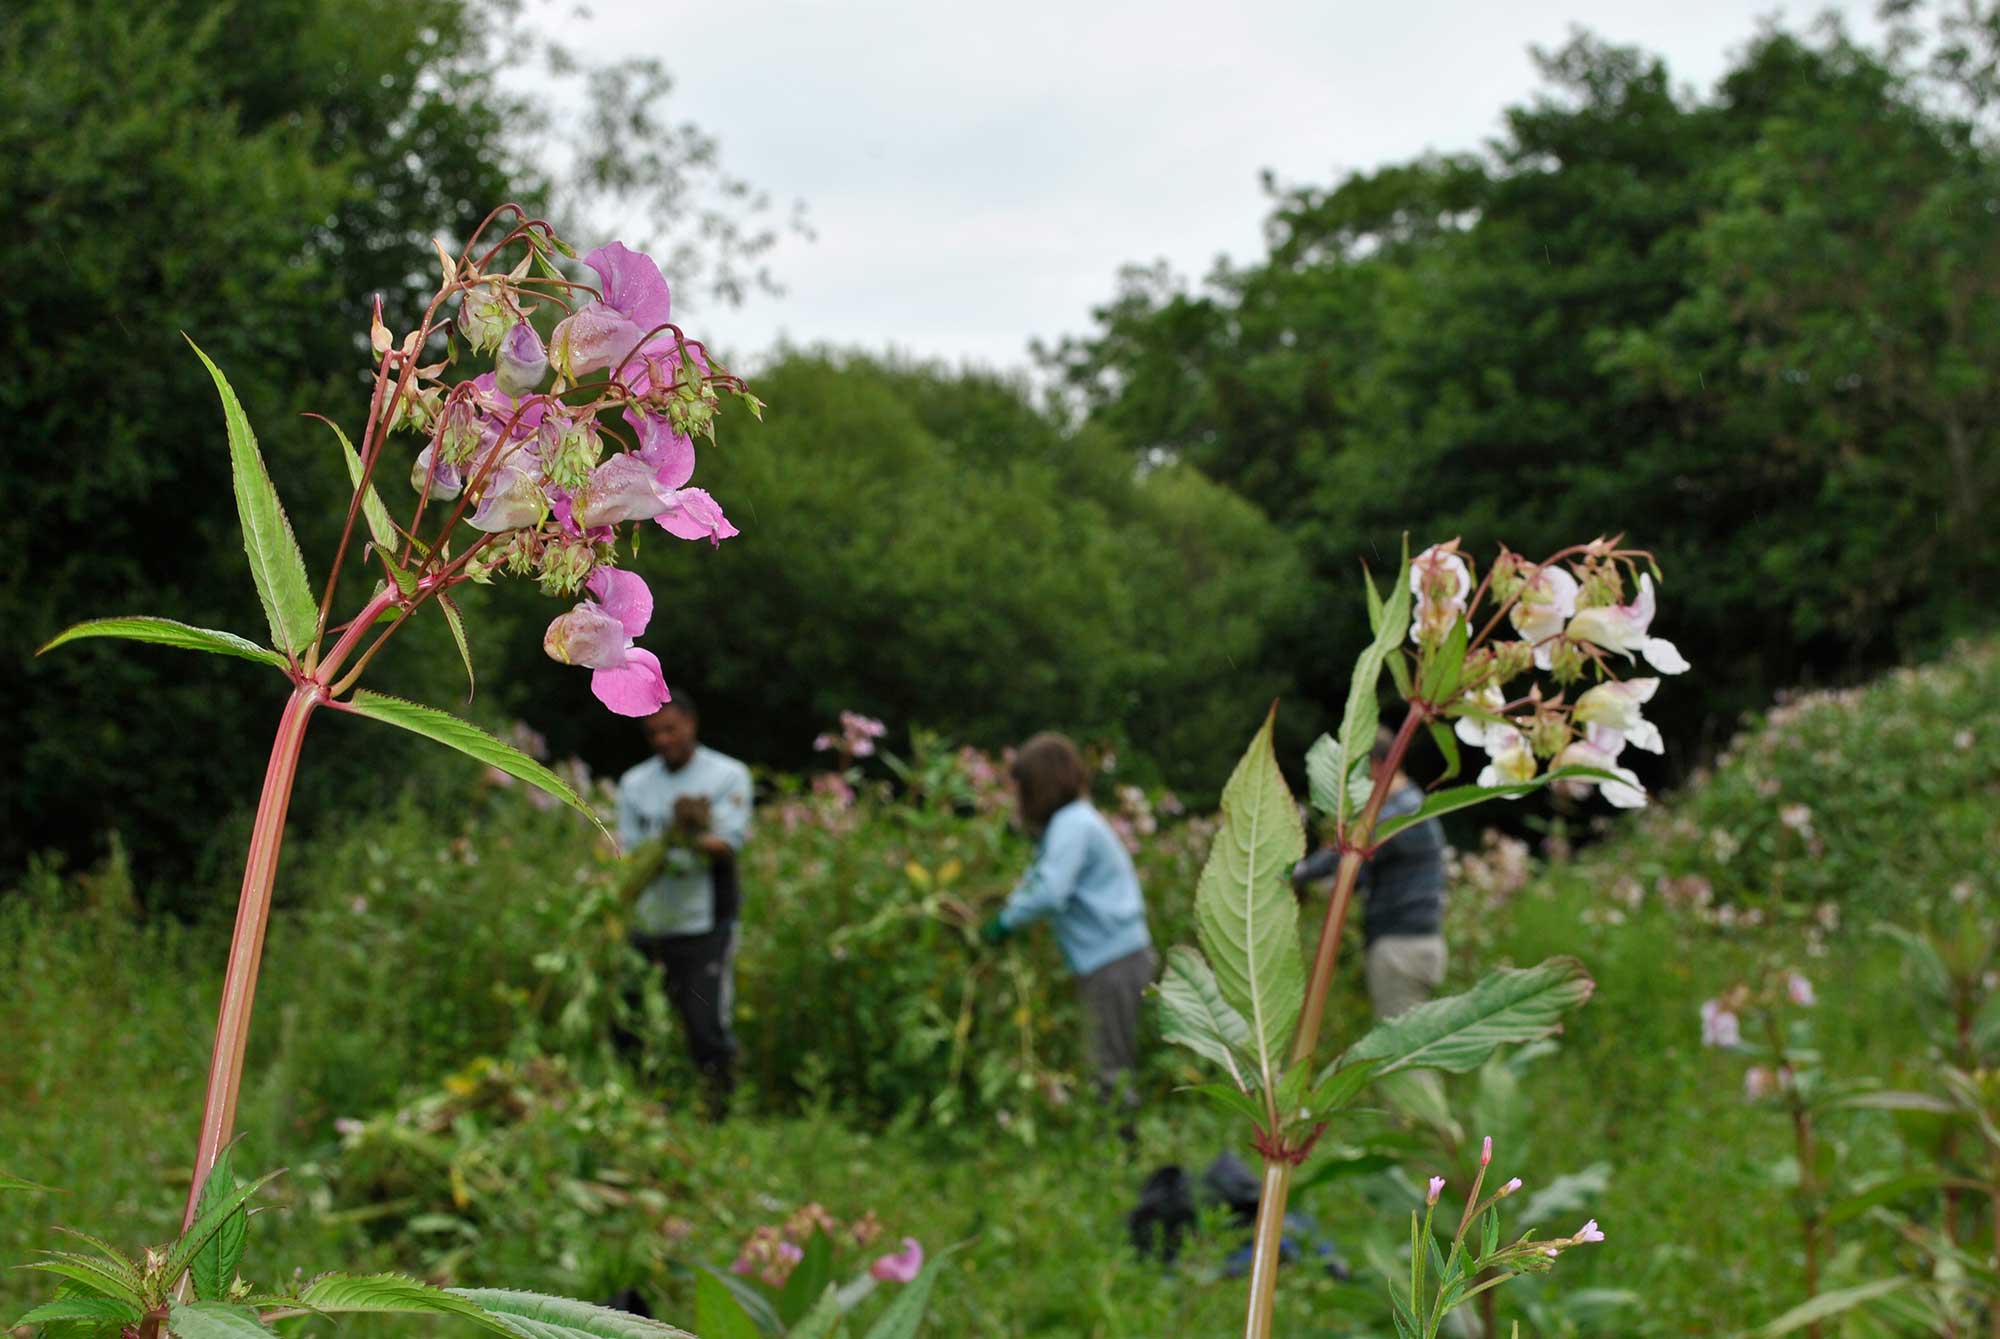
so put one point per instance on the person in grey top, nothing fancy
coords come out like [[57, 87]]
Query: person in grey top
[[1402, 887], [684, 814]]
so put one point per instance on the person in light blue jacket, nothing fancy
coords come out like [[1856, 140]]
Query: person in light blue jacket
[[1083, 883]]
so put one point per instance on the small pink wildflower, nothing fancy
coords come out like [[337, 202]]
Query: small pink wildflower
[[1512, 1185], [900, 1266], [1436, 1189], [1588, 1233], [1719, 1026], [1799, 990], [1486, 1150]]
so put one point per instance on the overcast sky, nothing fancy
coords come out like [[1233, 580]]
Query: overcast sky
[[977, 175]]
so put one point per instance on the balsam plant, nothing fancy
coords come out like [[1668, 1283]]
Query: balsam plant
[[542, 466], [1247, 1001]]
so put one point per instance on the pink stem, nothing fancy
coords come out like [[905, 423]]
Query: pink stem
[[246, 946]]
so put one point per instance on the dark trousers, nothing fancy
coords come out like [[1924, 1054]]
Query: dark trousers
[[699, 974]]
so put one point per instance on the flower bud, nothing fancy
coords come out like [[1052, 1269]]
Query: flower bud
[[566, 563], [444, 482], [587, 635], [485, 316], [570, 447], [522, 361], [1566, 661], [1436, 1189], [1548, 734], [459, 435], [1603, 585], [1512, 1185], [1510, 573], [1486, 1150], [621, 489], [1511, 660]]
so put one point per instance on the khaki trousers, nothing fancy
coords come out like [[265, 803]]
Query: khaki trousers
[[1402, 972]]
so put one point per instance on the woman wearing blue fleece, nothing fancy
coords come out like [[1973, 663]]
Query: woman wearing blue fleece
[[1083, 882]]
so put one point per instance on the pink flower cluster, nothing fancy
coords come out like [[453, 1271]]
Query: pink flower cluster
[[772, 1252], [538, 472], [857, 736]]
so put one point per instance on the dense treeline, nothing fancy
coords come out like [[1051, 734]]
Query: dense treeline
[[1755, 329], [1758, 331]]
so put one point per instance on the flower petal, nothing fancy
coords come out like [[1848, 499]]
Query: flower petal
[[632, 284], [696, 515], [902, 1266], [635, 688], [671, 454], [1662, 656], [624, 596]]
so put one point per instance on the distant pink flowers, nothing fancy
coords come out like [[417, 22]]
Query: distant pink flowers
[[857, 736], [1719, 1025], [901, 1266]]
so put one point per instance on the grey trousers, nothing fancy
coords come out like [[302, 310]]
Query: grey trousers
[[1111, 995], [1402, 972]]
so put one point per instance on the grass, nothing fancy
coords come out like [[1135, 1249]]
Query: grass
[[412, 947]]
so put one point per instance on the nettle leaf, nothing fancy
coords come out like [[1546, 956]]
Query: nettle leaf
[[1194, 1014], [164, 632], [390, 1294], [275, 563], [99, 1278], [456, 622], [105, 1310], [470, 740], [214, 1265], [1245, 913], [381, 528], [1464, 797], [717, 1313], [211, 1216], [538, 1316], [904, 1314], [214, 1320], [1459, 1032]]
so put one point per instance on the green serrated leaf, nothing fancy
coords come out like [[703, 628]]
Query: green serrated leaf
[[122, 1264], [1363, 712], [1194, 1014], [1232, 1100], [1459, 1032], [95, 1276], [381, 528], [108, 1310], [209, 1221], [470, 740], [1464, 797], [162, 632], [1245, 913], [1831, 1303], [1340, 1083], [1444, 668], [275, 563], [819, 1322], [529, 1315], [213, 1268], [214, 1320], [456, 622], [717, 1313], [394, 1294], [900, 1319]]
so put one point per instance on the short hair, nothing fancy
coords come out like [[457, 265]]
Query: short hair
[[684, 704], [1049, 773]]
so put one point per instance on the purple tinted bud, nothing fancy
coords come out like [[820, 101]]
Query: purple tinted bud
[[511, 499], [587, 635], [444, 481], [522, 362], [623, 488]]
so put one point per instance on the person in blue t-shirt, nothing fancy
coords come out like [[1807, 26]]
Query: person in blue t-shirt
[[1083, 882]]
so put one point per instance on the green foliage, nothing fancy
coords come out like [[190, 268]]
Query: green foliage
[[166, 632], [276, 564], [1460, 1032], [1194, 1014], [213, 1268], [1244, 907], [1753, 328], [470, 740]]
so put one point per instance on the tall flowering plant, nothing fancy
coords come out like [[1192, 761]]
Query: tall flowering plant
[[1526, 664], [539, 467]]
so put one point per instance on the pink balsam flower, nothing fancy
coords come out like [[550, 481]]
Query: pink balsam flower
[[1612, 711], [602, 332], [1625, 792], [901, 1266], [598, 634], [1719, 1026]]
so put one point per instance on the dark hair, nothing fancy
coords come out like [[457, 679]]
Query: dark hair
[[684, 704], [1048, 773]]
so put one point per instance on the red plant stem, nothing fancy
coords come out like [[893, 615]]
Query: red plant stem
[[1278, 1171], [246, 946], [1809, 1191], [1271, 1197]]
